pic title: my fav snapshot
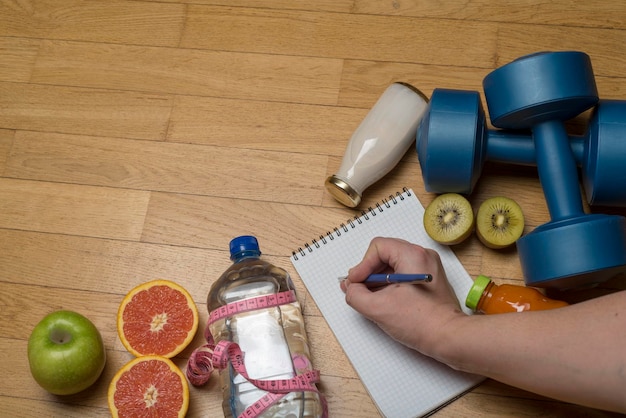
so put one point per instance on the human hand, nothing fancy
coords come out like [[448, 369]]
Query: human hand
[[418, 316]]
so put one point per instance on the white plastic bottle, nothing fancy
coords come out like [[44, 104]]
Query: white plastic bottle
[[379, 142], [273, 339]]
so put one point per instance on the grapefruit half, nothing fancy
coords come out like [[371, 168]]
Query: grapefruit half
[[157, 318], [149, 386]]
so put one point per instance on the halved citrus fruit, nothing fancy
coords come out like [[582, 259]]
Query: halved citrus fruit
[[157, 318], [149, 386]]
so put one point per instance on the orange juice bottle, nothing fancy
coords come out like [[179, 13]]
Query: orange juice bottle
[[489, 298]]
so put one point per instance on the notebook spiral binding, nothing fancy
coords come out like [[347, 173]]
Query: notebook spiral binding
[[350, 224]]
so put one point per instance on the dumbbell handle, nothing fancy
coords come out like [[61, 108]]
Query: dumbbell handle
[[513, 148], [557, 170], [558, 175]]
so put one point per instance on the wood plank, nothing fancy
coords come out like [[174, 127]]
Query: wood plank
[[327, 354], [149, 165], [113, 21], [72, 209], [274, 126], [103, 265], [26, 408], [611, 87], [347, 398], [32, 303], [344, 6], [593, 13], [333, 35], [199, 221], [363, 81], [27, 304], [189, 71], [108, 266], [17, 58], [515, 41], [84, 111], [473, 404], [6, 142]]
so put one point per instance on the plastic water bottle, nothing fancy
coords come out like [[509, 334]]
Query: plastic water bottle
[[273, 339]]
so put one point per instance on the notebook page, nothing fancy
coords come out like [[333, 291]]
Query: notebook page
[[402, 382]]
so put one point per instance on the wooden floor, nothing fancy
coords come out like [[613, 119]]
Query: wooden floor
[[138, 137]]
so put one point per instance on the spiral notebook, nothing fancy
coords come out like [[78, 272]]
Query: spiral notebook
[[402, 382]]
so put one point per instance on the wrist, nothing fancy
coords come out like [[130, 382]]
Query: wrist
[[449, 346]]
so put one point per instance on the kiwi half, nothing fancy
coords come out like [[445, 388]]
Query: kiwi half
[[499, 222], [449, 219]]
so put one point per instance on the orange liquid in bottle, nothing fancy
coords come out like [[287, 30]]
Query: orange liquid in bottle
[[489, 298]]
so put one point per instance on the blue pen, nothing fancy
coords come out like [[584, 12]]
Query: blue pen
[[379, 280]]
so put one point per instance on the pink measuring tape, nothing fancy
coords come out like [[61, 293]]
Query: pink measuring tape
[[204, 359], [246, 305]]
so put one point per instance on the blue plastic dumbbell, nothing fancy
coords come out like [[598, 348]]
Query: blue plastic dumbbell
[[539, 92], [453, 133]]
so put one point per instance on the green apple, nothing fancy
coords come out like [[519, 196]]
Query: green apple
[[66, 353]]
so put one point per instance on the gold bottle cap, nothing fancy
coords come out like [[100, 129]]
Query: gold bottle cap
[[342, 191]]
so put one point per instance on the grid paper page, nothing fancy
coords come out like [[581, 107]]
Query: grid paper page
[[402, 382]]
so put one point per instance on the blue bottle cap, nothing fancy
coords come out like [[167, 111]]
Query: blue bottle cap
[[244, 246]]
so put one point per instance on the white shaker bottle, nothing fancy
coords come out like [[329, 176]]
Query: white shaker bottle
[[378, 144]]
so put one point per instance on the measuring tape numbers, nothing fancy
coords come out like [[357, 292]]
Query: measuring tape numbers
[[247, 305]]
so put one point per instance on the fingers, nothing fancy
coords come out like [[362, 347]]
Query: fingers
[[411, 314], [387, 255], [363, 300]]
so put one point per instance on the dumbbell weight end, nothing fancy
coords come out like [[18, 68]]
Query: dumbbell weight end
[[604, 156], [578, 252]]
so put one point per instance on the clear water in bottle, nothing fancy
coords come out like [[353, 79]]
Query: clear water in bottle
[[273, 340]]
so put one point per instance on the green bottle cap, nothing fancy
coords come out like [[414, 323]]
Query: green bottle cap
[[476, 292]]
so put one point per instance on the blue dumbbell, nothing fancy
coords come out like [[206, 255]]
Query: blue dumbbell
[[539, 92], [453, 133]]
